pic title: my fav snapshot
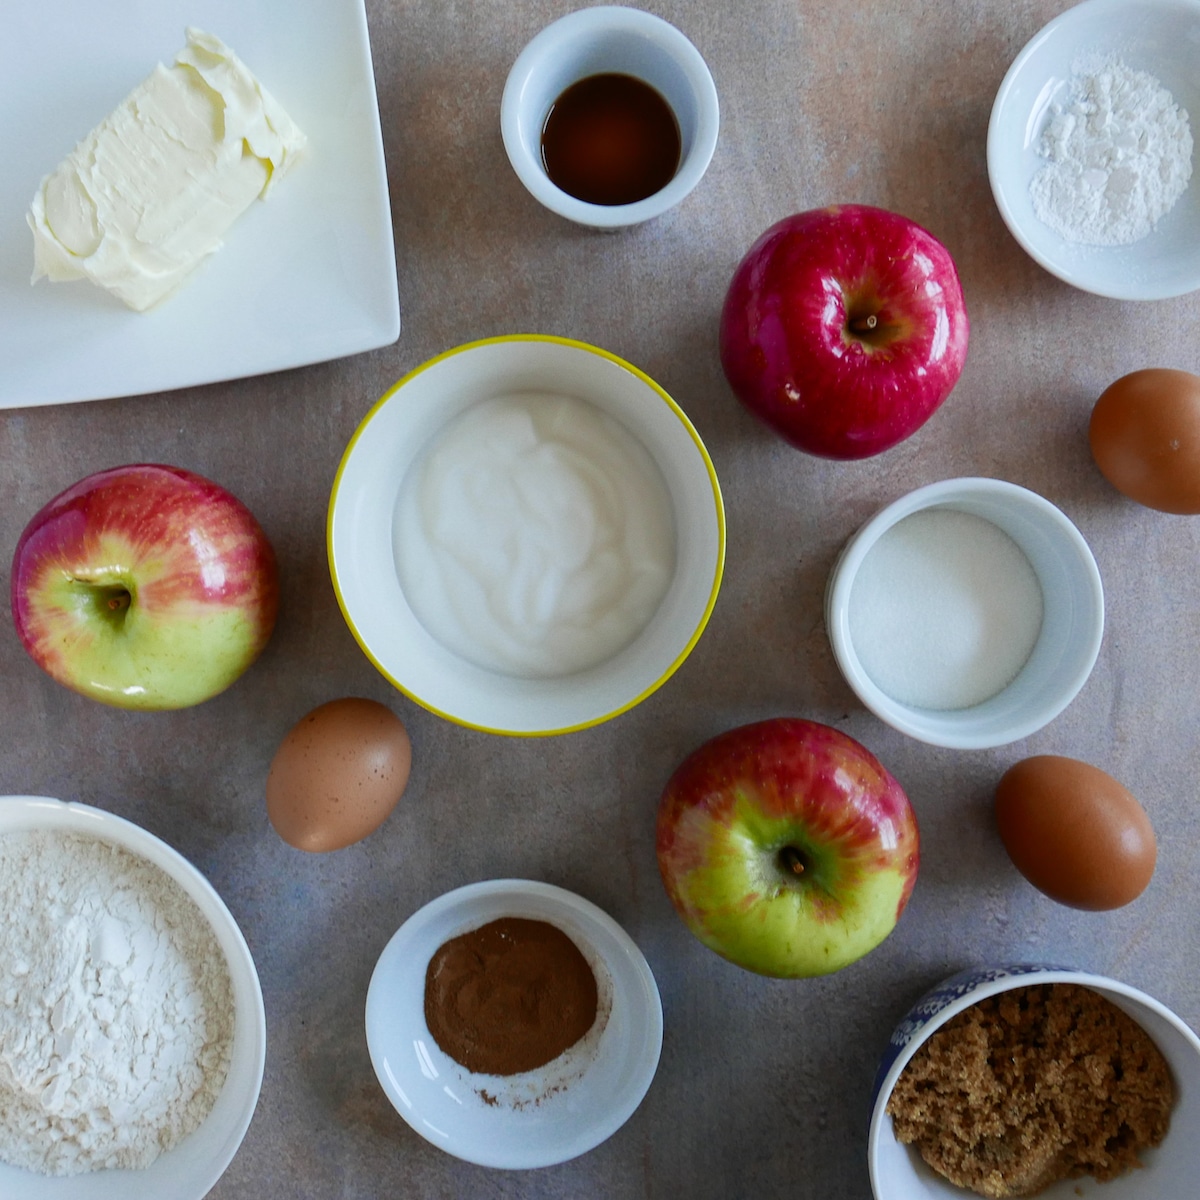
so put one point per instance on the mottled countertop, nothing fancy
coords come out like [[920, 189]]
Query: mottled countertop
[[763, 1085]]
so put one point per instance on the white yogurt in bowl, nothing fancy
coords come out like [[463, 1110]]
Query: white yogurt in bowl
[[526, 535], [534, 536]]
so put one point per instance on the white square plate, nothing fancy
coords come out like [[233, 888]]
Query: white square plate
[[305, 276]]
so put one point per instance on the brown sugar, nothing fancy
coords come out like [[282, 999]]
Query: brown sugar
[[1031, 1086]]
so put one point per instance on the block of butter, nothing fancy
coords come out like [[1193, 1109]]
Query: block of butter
[[153, 188]]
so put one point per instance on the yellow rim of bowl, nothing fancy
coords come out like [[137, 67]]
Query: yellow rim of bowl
[[718, 574]]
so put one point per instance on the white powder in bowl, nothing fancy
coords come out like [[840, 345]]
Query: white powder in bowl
[[1120, 156], [945, 610], [116, 1007]]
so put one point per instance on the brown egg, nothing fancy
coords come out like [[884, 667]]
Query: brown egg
[[1074, 832], [338, 774], [1145, 438]]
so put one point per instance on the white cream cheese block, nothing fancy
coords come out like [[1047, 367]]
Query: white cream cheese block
[[152, 190]]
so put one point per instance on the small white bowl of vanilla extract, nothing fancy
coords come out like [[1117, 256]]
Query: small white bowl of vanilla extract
[[609, 116]]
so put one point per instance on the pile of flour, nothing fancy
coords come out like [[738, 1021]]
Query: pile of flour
[[1120, 156], [116, 1008]]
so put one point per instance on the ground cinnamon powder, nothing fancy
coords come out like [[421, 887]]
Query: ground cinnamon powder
[[509, 996]]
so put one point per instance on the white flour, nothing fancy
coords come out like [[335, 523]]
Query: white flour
[[1120, 156], [116, 1009]]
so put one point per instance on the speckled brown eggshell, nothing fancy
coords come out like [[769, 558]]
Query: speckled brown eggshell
[[1145, 438], [1074, 832], [337, 774]]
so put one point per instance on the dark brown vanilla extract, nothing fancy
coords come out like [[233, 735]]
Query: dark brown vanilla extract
[[611, 139]]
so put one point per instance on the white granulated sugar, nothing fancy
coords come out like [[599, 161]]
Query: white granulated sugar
[[945, 610], [1120, 156], [116, 1008]]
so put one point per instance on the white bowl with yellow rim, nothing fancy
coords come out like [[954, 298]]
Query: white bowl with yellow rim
[[393, 439]]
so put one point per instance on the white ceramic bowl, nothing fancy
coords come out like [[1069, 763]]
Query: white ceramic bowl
[[363, 503], [1161, 37], [1170, 1170], [536, 1118], [1072, 616], [193, 1166], [601, 40]]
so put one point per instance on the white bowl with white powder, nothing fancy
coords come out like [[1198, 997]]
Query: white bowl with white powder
[[112, 939], [967, 614], [1090, 148]]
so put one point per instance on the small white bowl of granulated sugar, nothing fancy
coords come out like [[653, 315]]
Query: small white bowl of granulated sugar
[[1023, 1079], [1090, 148], [966, 614], [132, 1030]]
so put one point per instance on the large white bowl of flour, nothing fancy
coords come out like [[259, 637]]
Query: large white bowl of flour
[[113, 904], [1090, 148]]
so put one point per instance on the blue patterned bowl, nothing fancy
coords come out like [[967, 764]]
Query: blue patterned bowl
[[899, 1173]]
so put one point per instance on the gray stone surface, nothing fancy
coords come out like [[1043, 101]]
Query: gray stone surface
[[763, 1085]]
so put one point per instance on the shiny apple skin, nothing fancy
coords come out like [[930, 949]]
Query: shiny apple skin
[[791, 357], [739, 800], [197, 573]]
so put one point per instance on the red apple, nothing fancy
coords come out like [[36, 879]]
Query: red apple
[[844, 329], [145, 587], [786, 847]]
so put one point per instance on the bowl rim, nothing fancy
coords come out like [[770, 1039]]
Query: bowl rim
[[845, 570], [586, 22], [487, 900], [1005, 978], [719, 512], [1143, 291], [89, 820]]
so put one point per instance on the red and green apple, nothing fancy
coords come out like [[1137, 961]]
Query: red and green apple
[[145, 587], [786, 847], [844, 329]]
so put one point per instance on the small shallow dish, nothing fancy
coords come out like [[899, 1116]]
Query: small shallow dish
[[1161, 37], [898, 1171], [602, 40], [1067, 644], [362, 510], [536, 1118], [190, 1169]]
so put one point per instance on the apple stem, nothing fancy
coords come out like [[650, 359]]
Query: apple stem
[[792, 860], [863, 324], [112, 601]]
